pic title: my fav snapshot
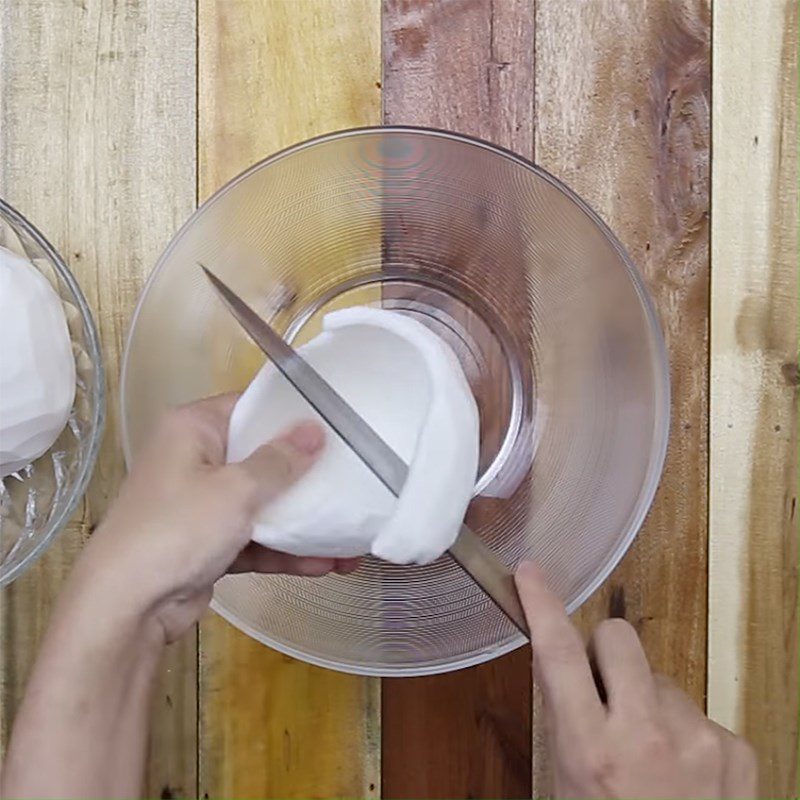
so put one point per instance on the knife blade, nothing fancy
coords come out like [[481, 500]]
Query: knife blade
[[468, 551]]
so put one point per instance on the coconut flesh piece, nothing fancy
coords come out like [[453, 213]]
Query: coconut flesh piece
[[37, 367], [409, 387]]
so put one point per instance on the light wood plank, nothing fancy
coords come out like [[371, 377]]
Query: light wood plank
[[97, 149], [273, 72], [753, 556], [467, 67], [622, 116]]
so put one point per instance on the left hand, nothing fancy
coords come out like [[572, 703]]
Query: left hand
[[184, 517]]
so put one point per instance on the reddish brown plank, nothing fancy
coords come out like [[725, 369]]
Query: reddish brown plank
[[465, 66]]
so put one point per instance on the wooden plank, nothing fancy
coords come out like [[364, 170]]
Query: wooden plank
[[753, 600], [272, 73], [97, 149], [468, 67], [622, 116]]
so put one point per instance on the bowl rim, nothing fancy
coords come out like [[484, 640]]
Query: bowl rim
[[97, 422], [661, 427]]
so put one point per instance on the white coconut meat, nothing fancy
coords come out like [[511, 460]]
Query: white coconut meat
[[37, 367], [409, 386]]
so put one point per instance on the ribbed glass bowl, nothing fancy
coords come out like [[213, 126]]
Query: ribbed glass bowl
[[37, 501], [550, 319]]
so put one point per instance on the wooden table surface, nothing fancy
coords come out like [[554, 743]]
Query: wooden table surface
[[120, 116]]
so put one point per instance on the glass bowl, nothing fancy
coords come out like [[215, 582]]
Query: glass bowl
[[550, 319], [37, 501]]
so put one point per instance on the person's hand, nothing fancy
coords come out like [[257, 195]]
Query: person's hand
[[645, 738], [183, 518]]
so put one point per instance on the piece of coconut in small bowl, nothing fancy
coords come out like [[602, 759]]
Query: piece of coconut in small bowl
[[51, 393]]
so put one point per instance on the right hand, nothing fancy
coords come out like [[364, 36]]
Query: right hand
[[648, 739]]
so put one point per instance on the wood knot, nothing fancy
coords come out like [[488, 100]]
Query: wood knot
[[616, 603], [791, 373], [679, 100]]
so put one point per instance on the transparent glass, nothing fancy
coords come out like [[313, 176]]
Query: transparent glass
[[37, 502], [548, 315]]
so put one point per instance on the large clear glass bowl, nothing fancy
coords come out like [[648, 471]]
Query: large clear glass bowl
[[38, 501], [548, 315]]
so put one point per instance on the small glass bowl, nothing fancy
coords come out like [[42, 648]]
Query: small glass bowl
[[37, 501]]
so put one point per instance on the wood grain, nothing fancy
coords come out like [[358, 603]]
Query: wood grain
[[97, 149], [753, 556], [271, 74], [468, 67], [622, 116]]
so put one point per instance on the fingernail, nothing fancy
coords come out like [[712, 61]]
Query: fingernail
[[308, 437]]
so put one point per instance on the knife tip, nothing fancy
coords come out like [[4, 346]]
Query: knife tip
[[213, 279]]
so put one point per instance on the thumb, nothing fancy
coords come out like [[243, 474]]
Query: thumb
[[276, 465]]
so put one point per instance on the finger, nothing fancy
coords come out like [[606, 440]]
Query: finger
[[740, 777], [560, 659], [679, 714], [197, 431], [214, 415], [701, 743], [737, 760], [740, 766], [684, 719], [344, 566], [275, 466], [624, 669], [255, 558], [219, 405], [678, 709]]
